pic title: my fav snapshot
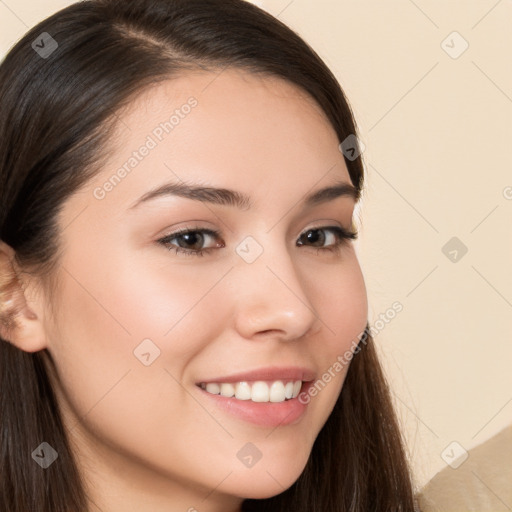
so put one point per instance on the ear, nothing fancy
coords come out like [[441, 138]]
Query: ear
[[19, 323]]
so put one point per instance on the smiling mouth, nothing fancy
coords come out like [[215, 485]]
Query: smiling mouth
[[257, 391]]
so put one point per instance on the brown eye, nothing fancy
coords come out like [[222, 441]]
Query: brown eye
[[191, 241], [313, 236]]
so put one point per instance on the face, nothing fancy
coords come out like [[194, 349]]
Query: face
[[138, 325]]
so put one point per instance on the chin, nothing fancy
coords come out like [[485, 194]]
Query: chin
[[262, 490], [266, 483]]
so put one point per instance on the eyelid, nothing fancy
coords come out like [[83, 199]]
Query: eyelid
[[321, 224], [214, 233]]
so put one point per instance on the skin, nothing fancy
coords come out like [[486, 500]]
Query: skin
[[146, 437]]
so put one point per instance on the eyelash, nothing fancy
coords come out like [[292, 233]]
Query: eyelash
[[343, 239]]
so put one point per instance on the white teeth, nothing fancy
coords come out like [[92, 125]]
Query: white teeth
[[243, 391], [227, 390], [276, 392], [213, 388], [288, 389], [259, 391]]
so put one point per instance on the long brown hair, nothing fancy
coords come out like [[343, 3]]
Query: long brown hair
[[57, 110]]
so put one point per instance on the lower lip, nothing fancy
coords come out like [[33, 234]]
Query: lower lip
[[266, 414]]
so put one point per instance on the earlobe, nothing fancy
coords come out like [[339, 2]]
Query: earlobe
[[19, 324]]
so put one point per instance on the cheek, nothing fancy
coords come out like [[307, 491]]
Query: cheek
[[342, 303], [103, 316], [126, 299], [109, 311], [170, 303], [343, 308]]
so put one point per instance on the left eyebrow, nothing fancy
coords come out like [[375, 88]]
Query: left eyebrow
[[227, 197]]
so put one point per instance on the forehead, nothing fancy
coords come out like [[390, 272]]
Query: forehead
[[232, 128], [227, 100], [218, 86]]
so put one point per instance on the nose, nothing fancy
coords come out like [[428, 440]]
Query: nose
[[272, 299]]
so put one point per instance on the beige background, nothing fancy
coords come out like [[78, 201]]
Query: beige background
[[437, 126]]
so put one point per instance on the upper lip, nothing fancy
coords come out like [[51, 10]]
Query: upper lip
[[269, 373]]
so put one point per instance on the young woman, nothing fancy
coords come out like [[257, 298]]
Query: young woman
[[183, 316]]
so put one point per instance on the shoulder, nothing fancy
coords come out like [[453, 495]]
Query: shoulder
[[481, 483]]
